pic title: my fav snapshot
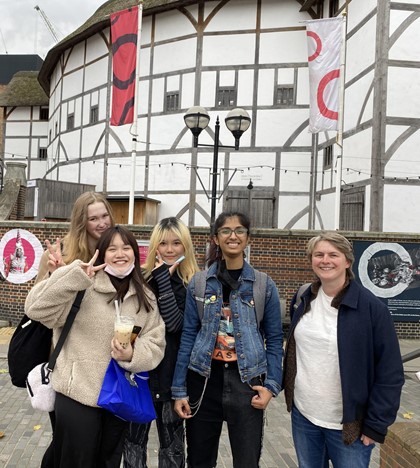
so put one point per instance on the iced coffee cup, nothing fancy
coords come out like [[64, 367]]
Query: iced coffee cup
[[123, 328]]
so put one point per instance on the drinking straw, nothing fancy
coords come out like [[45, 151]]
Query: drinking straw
[[117, 310]]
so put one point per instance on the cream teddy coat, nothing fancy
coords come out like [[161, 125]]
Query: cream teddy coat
[[82, 362]]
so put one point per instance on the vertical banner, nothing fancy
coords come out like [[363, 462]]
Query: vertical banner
[[324, 49], [124, 27]]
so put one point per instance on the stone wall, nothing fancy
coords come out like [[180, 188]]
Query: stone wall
[[280, 253], [402, 446]]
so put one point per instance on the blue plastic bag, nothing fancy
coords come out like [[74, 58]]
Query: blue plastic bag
[[127, 395]]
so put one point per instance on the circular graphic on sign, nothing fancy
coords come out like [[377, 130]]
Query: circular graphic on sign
[[20, 254], [386, 275]]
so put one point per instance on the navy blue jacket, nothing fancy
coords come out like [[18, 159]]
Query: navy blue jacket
[[370, 363]]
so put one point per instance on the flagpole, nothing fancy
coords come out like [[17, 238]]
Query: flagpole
[[134, 131], [339, 139]]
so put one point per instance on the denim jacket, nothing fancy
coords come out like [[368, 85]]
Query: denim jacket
[[257, 354]]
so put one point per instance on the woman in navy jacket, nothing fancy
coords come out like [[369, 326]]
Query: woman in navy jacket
[[343, 372]]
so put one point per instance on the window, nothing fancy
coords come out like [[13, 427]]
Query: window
[[42, 153], [172, 101], [70, 122], [49, 136], [226, 97], [334, 7], [43, 113], [94, 114], [328, 157], [285, 95], [56, 129]]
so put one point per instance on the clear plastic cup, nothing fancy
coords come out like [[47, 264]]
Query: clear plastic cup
[[123, 328]]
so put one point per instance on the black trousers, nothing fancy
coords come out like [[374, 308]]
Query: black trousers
[[86, 437], [170, 428], [228, 399]]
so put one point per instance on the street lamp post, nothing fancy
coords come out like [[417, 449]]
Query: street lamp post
[[237, 121]]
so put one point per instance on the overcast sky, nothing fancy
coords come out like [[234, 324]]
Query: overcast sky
[[23, 31]]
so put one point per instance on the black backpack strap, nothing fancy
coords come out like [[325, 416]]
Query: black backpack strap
[[69, 322]]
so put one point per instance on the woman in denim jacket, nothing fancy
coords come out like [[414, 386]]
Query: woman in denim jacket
[[229, 365]]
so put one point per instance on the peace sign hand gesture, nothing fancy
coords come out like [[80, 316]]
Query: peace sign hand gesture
[[89, 269], [55, 259]]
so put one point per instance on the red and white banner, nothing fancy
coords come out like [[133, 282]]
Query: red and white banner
[[324, 49], [124, 28]]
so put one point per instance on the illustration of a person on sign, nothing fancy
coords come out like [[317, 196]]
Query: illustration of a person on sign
[[16, 262]]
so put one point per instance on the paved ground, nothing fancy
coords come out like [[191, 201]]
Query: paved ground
[[27, 432]]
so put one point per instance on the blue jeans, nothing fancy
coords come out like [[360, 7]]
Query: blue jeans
[[316, 445]]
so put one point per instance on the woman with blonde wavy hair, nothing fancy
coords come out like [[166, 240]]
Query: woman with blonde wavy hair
[[90, 218], [169, 267]]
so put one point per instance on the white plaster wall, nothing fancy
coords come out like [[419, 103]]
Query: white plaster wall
[[403, 92], [187, 96], [72, 84], [96, 46], [283, 47], [288, 207], [302, 95], [357, 157], [326, 208], [401, 212], [358, 103], [265, 87], [358, 10], [232, 49], [361, 49], [96, 74], [208, 89], [245, 87], [228, 16], [281, 14], [170, 24], [275, 126], [174, 56], [404, 162]]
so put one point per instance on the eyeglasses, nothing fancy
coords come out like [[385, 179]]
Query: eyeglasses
[[239, 231]]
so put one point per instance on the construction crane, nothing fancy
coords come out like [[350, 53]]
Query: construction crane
[[47, 23]]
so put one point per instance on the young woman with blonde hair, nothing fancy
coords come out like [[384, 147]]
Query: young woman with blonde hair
[[90, 218], [169, 267]]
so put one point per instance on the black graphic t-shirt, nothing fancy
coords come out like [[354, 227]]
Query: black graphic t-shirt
[[225, 349]]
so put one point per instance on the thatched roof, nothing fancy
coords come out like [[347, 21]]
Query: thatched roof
[[97, 22], [24, 90]]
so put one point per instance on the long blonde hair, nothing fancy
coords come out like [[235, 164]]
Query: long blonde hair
[[188, 267], [75, 243]]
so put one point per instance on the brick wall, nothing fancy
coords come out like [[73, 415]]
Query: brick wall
[[280, 253], [402, 446]]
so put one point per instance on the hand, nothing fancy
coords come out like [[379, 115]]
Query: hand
[[89, 269], [119, 353], [182, 408], [366, 440], [55, 259], [159, 262], [261, 400]]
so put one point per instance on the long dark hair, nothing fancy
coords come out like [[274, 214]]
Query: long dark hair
[[214, 254], [122, 285]]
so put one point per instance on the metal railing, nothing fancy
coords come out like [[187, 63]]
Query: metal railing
[[410, 356]]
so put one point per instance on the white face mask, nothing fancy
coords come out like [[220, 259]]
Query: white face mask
[[119, 274]]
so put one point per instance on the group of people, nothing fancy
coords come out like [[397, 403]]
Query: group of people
[[212, 342]]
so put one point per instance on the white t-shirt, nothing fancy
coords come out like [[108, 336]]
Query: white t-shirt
[[317, 392]]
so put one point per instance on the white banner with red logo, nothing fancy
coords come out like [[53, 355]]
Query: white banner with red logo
[[324, 50]]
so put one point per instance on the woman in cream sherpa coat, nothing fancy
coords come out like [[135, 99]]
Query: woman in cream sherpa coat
[[85, 435]]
